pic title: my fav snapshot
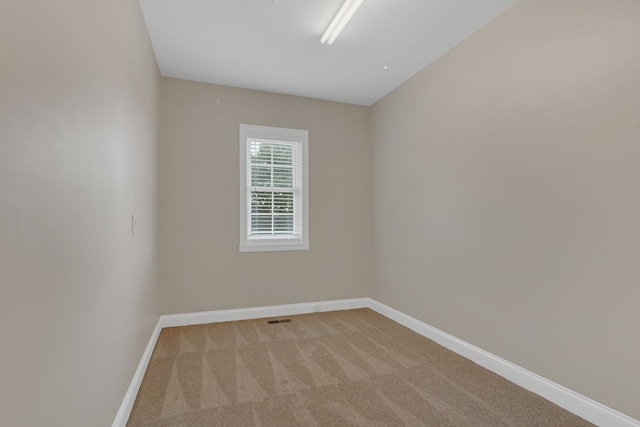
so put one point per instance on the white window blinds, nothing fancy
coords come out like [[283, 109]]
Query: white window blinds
[[275, 189]]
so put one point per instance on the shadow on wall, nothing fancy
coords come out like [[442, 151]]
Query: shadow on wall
[[9, 222]]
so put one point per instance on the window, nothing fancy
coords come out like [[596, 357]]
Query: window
[[274, 189]]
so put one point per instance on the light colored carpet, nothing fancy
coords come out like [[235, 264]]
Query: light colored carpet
[[351, 368]]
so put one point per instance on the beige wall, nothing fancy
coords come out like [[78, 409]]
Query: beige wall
[[202, 268], [78, 292], [506, 200]]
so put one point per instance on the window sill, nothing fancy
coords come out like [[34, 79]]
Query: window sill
[[273, 247]]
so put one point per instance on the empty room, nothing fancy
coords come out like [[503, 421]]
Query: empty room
[[303, 212]]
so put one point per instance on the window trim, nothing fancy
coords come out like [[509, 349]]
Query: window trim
[[280, 243]]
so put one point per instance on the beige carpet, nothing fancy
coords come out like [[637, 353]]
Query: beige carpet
[[346, 368]]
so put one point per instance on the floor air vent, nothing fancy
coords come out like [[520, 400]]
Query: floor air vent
[[273, 322]]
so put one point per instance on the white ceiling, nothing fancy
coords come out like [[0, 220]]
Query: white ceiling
[[275, 47]]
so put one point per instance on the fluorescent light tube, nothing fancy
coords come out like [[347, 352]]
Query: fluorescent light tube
[[339, 21]]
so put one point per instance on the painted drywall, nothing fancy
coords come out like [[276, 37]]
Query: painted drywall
[[78, 130], [506, 194], [202, 268]]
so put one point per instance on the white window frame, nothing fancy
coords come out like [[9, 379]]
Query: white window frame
[[275, 243]]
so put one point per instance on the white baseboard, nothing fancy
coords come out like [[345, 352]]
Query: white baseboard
[[582, 406], [130, 397], [261, 312]]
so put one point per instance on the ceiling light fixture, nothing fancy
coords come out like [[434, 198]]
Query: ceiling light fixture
[[339, 21]]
